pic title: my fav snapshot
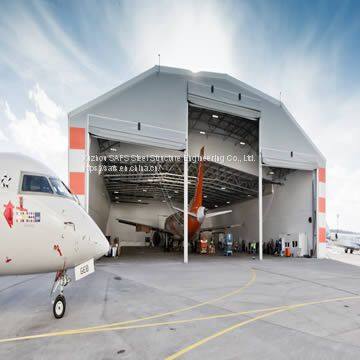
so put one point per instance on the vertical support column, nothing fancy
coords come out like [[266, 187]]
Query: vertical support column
[[186, 225], [77, 157], [260, 208], [321, 213], [260, 197]]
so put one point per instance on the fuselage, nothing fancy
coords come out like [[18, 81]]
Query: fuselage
[[175, 222], [347, 241], [42, 226]]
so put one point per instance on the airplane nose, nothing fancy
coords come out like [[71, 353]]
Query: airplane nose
[[105, 246], [100, 244], [97, 245]]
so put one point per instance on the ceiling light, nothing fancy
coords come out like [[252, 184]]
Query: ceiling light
[[116, 192], [242, 143], [169, 197], [139, 200], [215, 206], [205, 196], [215, 116], [113, 149], [144, 190], [164, 201], [249, 195], [150, 180], [202, 132], [223, 188], [175, 191], [228, 202], [271, 173]]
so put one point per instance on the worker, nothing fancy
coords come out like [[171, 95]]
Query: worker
[[253, 249]]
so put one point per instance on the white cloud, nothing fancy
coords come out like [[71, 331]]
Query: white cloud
[[38, 51], [7, 111], [44, 104], [3, 137], [186, 34], [41, 139]]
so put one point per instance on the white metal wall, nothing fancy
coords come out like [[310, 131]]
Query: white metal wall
[[285, 211]]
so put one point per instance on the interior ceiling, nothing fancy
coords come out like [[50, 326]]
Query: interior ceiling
[[222, 185], [242, 132]]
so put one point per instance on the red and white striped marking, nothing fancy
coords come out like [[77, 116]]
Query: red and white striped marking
[[321, 213], [77, 162]]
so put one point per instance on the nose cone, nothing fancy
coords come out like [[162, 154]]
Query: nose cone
[[98, 242], [101, 245], [200, 214]]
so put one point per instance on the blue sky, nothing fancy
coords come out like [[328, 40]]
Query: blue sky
[[56, 55]]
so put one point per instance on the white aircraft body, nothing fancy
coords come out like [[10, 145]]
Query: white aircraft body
[[349, 242], [42, 226]]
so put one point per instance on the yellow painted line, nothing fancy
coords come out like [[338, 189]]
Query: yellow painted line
[[272, 310], [173, 312], [246, 322], [119, 325], [139, 326]]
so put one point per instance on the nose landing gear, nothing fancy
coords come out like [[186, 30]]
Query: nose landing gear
[[59, 304]]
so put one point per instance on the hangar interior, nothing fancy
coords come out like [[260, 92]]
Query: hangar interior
[[148, 193], [232, 121]]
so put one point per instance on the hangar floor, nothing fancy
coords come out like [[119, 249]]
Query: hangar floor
[[218, 308]]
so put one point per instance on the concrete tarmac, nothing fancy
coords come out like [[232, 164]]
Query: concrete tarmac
[[214, 308]]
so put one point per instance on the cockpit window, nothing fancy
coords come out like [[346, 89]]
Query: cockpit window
[[60, 188], [36, 183]]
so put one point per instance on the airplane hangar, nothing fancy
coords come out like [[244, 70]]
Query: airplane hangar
[[132, 149]]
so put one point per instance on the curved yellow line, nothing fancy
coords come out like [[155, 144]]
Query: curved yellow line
[[243, 323], [273, 310], [119, 325], [140, 326], [173, 312]]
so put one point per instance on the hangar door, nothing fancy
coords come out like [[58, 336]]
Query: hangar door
[[288, 159], [214, 98], [136, 132]]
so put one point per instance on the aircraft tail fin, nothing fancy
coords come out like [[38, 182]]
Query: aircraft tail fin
[[198, 196]]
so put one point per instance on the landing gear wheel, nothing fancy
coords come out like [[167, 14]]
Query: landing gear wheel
[[351, 251], [346, 250], [59, 306]]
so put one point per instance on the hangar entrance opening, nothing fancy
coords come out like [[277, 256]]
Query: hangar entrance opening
[[134, 189], [231, 168], [231, 182]]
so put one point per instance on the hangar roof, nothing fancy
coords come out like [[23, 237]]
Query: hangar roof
[[159, 97]]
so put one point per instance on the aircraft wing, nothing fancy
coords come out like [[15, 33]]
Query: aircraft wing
[[221, 227], [142, 227]]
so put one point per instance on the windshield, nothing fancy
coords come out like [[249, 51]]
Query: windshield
[[60, 188], [35, 183]]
